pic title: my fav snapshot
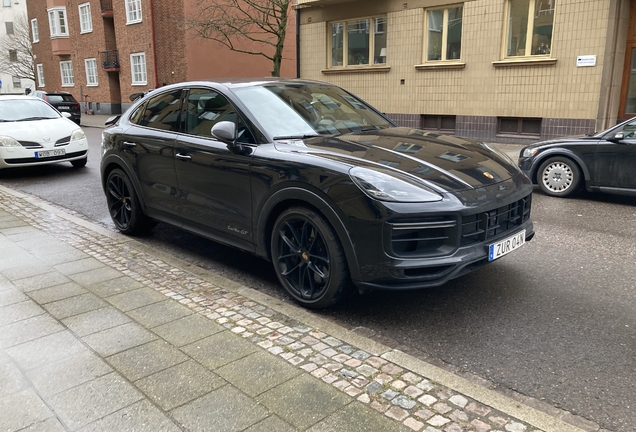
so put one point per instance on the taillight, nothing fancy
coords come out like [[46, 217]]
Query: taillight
[[77, 105]]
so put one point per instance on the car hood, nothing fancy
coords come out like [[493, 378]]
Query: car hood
[[39, 130], [574, 139], [446, 162]]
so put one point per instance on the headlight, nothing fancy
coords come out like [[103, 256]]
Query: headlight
[[529, 152], [7, 141], [385, 185], [77, 135]]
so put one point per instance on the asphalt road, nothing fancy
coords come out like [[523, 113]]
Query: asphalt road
[[555, 320]]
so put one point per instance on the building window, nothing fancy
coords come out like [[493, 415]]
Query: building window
[[57, 22], [16, 82], [358, 42], [66, 69], [133, 11], [519, 126], [40, 70], [138, 69], [6, 3], [35, 30], [443, 34], [13, 55], [9, 26], [91, 71], [529, 27], [86, 22], [439, 122]]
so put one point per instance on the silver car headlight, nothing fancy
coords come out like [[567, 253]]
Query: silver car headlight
[[529, 152], [7, 141], [385, 185], [77, 135]]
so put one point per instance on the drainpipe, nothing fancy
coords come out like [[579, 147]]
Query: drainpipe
[[154, 42], [297, 40]]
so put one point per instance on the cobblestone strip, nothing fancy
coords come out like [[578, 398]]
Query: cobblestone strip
[[406, 397]]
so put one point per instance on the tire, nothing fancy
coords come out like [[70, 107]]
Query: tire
[[559, 177], [79, 163], [123, 205], [308, 259]]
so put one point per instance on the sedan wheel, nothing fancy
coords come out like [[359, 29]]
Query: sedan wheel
[[308, 258], [123, 204], [559, 176]]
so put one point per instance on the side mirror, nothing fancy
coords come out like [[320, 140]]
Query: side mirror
[[112, 120], [618, 136], [225, 131]]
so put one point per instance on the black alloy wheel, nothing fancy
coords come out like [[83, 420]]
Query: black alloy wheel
[[308, 258], [123, 204]]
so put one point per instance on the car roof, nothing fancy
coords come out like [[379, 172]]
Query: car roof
[[242, 82], [15, 97]]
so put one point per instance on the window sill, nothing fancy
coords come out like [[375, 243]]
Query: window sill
[[525, 62], [355, 69], [86, 31], [62, 36], [92, 85], [441, 65], [133, 22], [68, 85], [139, 84]]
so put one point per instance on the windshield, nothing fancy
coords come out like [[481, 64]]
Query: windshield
[[26, 109], [299, 110]]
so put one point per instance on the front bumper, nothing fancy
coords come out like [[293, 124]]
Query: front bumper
[[409, 246], [14, 157]]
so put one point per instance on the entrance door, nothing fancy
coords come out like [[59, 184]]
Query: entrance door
[[628, 93]]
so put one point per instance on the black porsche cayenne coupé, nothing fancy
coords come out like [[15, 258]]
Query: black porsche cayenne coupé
[[310, 177]]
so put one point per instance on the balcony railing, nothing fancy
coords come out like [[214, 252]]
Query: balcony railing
[[110, 60], [107, 7]]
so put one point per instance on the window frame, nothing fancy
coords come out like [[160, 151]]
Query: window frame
[[439, 120], [133, 11], [88, 23], [530, 27], [39, 68], [373, 31], [55, 28], [132, 69], [70, 75], [444, 44], [35, 30], [519, 132], [93, 68]]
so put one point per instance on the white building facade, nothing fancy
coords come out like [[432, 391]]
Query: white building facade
[[10, 10]]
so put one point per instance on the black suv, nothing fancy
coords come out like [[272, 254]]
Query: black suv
[[309, 176], [62, 101]]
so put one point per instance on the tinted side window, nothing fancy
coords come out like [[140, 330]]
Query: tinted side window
[[629, 130], [163, 111], [205, 108], [137, 115]]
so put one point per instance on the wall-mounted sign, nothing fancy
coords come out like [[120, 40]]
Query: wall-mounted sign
[[586, 60]]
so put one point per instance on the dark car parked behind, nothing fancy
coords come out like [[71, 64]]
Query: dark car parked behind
[[599, 162], [310, 177], [62, 101]]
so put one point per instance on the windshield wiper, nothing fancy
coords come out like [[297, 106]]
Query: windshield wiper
[[35, 118], [296, 137]]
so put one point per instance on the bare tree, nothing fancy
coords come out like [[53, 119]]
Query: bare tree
[[16, 55], [256, 27]]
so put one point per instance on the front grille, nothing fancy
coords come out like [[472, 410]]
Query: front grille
[[441, 235], [63, 141], [484, 226], [423, 237], [30, 144]]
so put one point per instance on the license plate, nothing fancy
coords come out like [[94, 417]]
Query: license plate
[[49, 153], [63, 107], [507, 245]]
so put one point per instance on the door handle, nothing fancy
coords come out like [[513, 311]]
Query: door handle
[[129, 144], [183, 157]]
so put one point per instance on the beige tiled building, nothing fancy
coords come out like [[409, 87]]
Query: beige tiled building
[[500, 70]]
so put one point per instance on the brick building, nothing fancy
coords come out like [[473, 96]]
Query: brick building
[[101, 51]]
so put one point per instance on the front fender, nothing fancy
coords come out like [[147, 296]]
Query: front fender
[[558, 152], [294, 195], [114, 159]]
